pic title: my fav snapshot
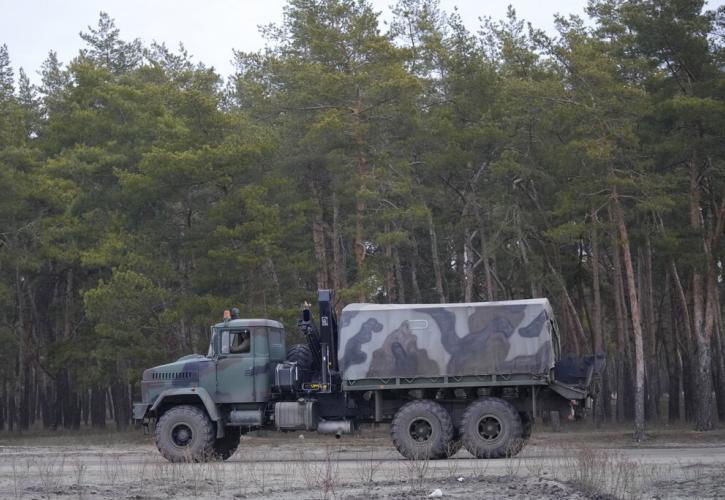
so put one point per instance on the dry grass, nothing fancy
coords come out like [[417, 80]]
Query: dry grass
[[325, 471]]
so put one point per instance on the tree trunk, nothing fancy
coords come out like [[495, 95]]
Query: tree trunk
[[414, 270], [603, 398], [702, 325], [644, 279], [576, 321], [318, 238], [484, 258], [467, 268], [621, 326], [399, 276], [360, 199], [636, 318], [121, 404], [570, 325], [719, 361], [390, 288], [3, 403], [597, 306], [338, 275], [436, 263], [670, 339], [98, 407]]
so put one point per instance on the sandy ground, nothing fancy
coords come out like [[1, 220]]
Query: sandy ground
[[580, 463]]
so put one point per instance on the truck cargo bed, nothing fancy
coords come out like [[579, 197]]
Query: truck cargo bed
[[429, 345]]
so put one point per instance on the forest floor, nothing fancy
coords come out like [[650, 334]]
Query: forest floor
[[580, 462]]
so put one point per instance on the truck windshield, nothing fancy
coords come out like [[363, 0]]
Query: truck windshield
[[212, 343]]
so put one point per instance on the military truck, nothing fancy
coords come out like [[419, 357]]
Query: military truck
[[444, 375]]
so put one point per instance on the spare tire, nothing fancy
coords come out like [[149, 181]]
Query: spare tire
[[302, 355]]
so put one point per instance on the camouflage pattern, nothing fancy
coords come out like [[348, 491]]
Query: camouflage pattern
[[227, 378], [385, 341]]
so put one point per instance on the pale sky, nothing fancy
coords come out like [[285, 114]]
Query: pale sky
[[209, 29]]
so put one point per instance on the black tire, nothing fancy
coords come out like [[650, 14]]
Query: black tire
[[422, 429], [225, 447], [491, 428], [302, 355], [185, 434]]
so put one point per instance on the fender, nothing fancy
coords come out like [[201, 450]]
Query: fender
[[199, 392]]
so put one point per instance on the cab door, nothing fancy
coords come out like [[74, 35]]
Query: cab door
[[262, 366], [235, 370]]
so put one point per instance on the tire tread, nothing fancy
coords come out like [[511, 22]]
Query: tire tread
[[509, 446], [399, 435], [206, 428]]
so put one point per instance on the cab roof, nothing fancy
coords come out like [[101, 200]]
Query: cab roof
[[247, 323]]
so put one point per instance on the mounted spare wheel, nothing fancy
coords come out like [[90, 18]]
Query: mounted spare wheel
[[491, 428], [302, 355], [422, 429], [185, 434]]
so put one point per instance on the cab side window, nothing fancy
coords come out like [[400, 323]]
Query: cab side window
[[240, 342]]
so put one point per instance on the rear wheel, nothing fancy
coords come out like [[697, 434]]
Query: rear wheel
[[185, 434], [422, 429], [491, 428], [302, 355]]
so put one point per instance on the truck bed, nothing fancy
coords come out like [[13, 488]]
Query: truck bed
[[436, 345]]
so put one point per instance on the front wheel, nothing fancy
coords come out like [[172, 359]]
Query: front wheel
[[185, 434], [422, 429], [491, 428]]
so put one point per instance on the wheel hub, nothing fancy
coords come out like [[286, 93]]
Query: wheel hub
[[181, 435], [489, 428], [420, 430]]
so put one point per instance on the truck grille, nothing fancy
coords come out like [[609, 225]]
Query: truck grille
[[172, 376]]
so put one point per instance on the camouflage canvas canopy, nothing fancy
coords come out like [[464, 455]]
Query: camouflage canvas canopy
[[510, 337]]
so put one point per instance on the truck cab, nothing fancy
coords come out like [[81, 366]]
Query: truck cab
[[245, 352], [229, 387]]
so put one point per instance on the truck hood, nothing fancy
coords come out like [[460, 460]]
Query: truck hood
[[188, 371], [185, 368]]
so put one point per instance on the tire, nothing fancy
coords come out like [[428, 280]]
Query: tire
[[492, 428], [422, 429], [225, 447], [185, 434], [302, 355]]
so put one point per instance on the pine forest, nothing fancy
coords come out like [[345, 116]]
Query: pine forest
[[408, 161]]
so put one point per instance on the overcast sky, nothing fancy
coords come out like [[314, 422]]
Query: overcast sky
[[209, 29]]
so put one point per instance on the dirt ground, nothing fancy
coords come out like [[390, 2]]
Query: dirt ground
[[578, 463]]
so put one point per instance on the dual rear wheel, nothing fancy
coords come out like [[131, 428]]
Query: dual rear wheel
[[490, 428]]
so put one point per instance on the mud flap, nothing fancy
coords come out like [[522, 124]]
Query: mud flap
[[568, 391]]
